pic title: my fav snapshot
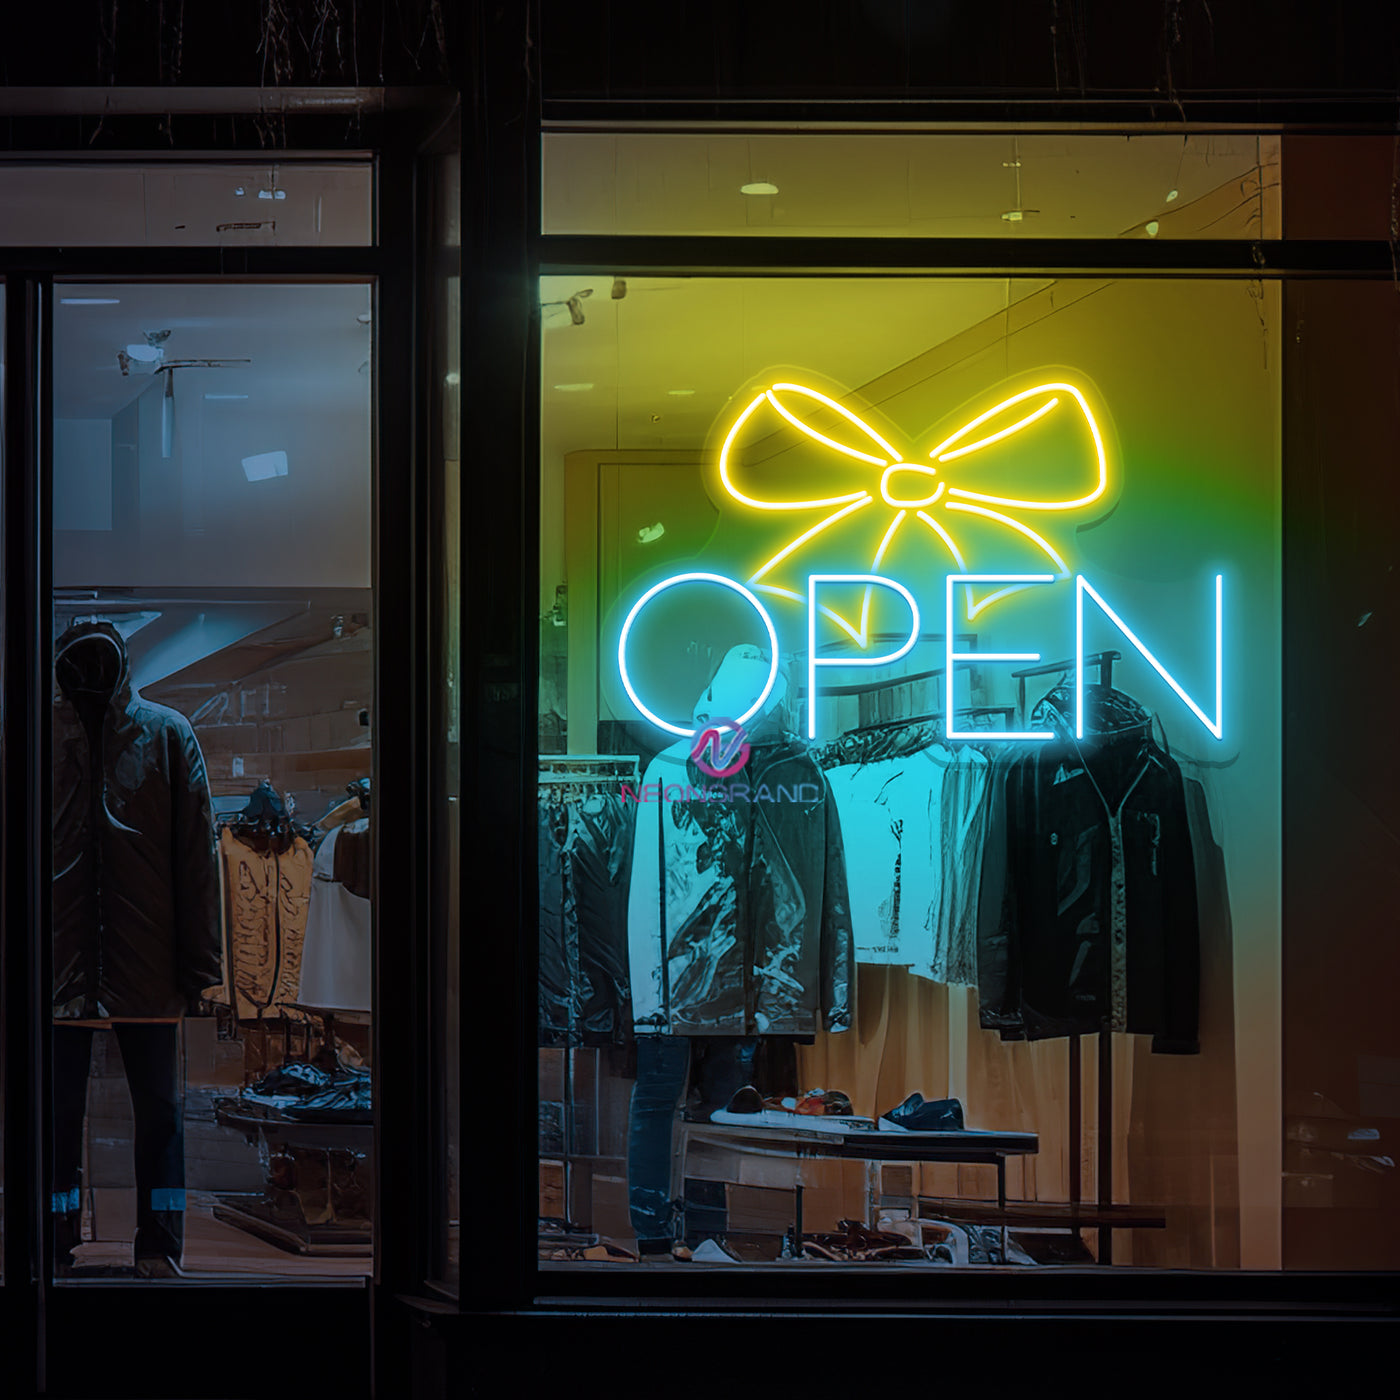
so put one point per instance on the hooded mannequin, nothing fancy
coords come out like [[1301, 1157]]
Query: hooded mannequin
[[136, 933], [740, 677]]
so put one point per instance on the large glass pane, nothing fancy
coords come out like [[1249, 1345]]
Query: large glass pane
[[957, 940], [213, 706], [912, 184]]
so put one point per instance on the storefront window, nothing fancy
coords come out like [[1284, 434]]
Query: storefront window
[[213, 707], [908, 800]]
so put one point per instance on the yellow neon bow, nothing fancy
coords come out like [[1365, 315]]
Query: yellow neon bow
[[878, 472]]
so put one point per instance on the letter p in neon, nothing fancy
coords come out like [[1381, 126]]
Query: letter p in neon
[[813, 660]]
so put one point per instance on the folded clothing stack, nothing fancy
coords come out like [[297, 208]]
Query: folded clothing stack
[[309, 1093]]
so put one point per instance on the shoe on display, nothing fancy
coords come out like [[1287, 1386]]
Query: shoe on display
[[919, 1115], [746, 1100]]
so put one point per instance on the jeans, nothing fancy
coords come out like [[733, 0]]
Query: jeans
[[666, 1064], [150, 1059]]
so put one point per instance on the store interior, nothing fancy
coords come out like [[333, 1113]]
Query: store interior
[[1117, 1147]]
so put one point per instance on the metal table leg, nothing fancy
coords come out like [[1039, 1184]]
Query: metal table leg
[[1001, 1200]]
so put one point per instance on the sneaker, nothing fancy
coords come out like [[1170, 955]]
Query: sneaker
[[918, 1115]]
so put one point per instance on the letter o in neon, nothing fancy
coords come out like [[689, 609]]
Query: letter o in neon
[[671, 583]]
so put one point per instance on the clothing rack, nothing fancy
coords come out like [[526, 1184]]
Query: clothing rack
[[1104, 661], [972, 712], [563, 778]]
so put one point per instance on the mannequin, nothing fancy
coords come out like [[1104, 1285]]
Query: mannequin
[[135, 923], [738, 924]]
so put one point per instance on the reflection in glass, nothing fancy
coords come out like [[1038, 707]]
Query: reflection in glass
[[213, 691]]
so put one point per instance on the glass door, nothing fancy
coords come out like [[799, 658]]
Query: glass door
[[212, 735]]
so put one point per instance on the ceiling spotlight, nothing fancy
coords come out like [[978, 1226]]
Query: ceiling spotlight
[[239, 191], [89, 301], [759, 187], [573, 388], [649, 534], [1171, 195], [680, 393], [574, 305], [273, 193], [1152, 228]]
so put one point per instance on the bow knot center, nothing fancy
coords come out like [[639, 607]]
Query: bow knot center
[[907, 486]]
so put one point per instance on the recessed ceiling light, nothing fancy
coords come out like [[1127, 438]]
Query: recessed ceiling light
[[220, 398], [1171, 195], [759, 187], [262, 466], [1152, 228], [680, 393], [89, 301], [272, 194], [573, 388], [239, 191]]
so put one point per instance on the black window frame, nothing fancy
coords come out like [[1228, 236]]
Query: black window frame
[[46, 1325], [597, 1294]]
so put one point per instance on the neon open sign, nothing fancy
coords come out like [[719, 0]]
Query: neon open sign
[[1046, 433], [816, 582]]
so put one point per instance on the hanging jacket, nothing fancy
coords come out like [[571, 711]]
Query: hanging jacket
[[585, 851], [1089, 912], [738, 916], [135, 879]]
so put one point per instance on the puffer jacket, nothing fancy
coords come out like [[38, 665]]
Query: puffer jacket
[[739, 919], [135, 879]]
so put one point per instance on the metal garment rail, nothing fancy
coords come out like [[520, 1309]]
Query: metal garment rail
[[1104, 661]]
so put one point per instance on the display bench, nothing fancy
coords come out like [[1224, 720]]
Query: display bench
[[970, 1146], [871, 1146]]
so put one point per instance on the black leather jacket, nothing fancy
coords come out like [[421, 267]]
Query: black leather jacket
[[757, 921], [1089, 910], [135, 884]]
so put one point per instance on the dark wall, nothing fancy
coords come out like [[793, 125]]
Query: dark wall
[[883, 49], [137, 43], [1341, 955]]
